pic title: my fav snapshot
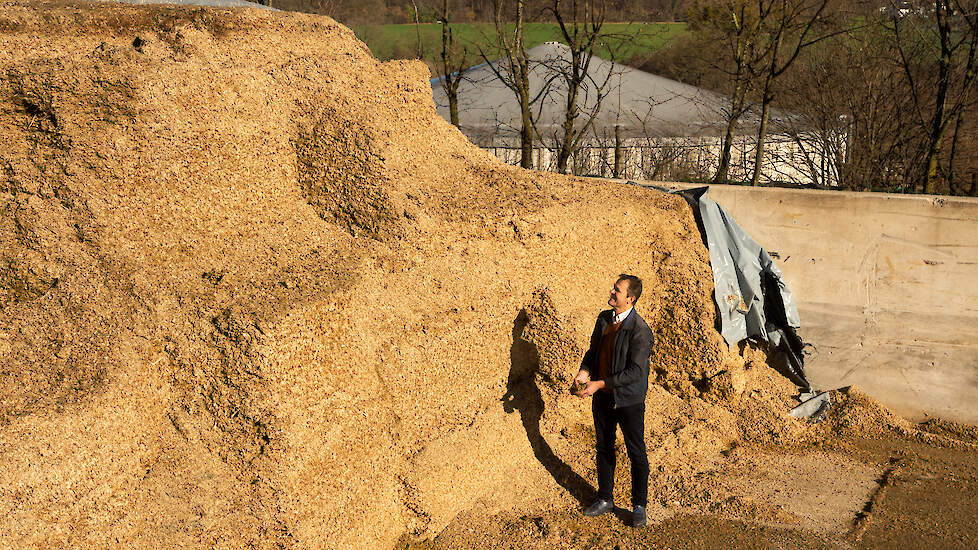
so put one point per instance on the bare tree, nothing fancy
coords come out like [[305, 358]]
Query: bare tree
[[581, 24], [760, 39], [852, 118], [514, 71], [417, 26], [967, 112], [785, 32], [453, 61], [937, 53], [736, 24]]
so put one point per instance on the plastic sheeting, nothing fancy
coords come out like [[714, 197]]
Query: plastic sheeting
[[752, 298], [813, 406]]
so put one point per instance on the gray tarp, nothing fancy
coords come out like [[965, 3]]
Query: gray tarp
[[752, 299], [738, 263]]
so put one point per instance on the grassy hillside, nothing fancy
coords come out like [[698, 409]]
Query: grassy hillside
[[400, 41]]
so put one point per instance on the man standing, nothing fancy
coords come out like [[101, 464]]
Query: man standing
[[615, 371]]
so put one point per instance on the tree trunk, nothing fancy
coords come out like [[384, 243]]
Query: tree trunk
[[618, 152], [567, 140], [952, 181], [526, 132], [453, 108], [759, 149], [767, 96], [936, 136], [417, 25], [724, 168], [930, 176], [736, 110], [449, 82], [938, 123]]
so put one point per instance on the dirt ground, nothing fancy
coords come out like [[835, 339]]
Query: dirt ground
[[861, 493], [256, 293]]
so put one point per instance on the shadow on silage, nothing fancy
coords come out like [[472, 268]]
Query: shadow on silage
[[523, 395]]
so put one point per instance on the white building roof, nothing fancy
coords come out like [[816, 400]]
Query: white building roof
[[643, 104]]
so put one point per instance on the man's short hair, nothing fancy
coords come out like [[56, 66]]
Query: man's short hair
[[634, 285]]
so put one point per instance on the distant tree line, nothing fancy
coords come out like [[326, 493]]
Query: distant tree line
[[886, 91]]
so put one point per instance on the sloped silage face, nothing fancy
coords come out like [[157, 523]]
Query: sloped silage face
[[255, 291]]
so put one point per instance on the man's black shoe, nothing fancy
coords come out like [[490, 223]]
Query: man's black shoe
[[638, 516], [599, 507]]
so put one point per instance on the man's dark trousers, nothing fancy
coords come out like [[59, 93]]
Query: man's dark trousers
[[632, 422]]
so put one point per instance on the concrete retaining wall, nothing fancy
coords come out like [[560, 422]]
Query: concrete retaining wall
[[887, 289]]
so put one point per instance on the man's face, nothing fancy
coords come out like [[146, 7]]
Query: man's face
[[620, 300]]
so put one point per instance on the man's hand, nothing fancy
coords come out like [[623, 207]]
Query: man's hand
[[590, 388], [580, 382], [583, 377]]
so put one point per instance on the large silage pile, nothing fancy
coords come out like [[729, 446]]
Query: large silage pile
[[254, 292]]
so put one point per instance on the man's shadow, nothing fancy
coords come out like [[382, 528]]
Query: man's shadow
[[523, 395]]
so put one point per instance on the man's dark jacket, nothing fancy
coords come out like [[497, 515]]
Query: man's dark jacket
[[629, 380]]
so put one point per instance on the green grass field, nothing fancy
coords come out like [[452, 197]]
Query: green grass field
[[401, 41]]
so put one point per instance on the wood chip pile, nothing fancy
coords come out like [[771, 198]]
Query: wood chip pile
[[254, 292]]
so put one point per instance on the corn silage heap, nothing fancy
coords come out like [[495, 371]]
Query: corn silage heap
[[254, 291]]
